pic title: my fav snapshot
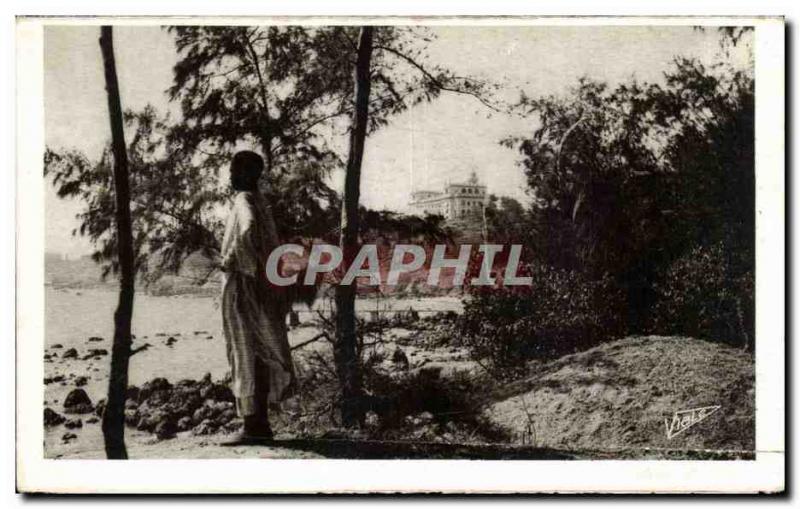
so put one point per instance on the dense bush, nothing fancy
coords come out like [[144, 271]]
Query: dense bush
[[561, 313], [626, 180], [452, 401], [704, 295]]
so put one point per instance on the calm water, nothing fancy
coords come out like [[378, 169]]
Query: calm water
[[74, 316]]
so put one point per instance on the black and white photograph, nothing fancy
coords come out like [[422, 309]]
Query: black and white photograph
[[508, 241]]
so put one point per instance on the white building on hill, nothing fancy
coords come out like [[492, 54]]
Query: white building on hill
[[456, 201]]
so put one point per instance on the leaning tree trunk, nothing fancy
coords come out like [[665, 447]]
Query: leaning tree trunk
[[114, 416], [345, 348]]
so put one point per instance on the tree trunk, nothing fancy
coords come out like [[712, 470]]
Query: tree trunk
[[345, 348], [114, 416]]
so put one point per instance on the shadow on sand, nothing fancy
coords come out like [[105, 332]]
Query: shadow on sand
[[371, 449]]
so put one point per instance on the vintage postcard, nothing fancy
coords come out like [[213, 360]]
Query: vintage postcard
[[490, 255]]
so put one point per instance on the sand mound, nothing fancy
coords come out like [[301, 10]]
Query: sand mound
[[618, 396]]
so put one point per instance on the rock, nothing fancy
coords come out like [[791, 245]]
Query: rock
[[94, 339], [95, 352], [371, 420], [158, 398], [77, 402], [53, 379], [73, 423], [399, 357], [202, 414], [218, 411], [52, 418], [92, 420], [132, 417], [218, 392], [70, 354], [199, 332], [227, 416], [184, 424], [81, 381], [66, 437], [132, 393], [206, 427], [100, 408], [426, 417], [150, 421], [165, 409], [448, 437], [233, 425], [154, 385], [166, 429], [170, 341], [57, 345]]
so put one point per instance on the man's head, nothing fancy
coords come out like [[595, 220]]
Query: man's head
[[246, 168]]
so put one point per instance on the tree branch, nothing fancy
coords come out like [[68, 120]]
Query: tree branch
[[312, 340], [267, 141], [433, 79]]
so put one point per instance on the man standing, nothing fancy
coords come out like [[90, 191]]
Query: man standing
[[253, 313]]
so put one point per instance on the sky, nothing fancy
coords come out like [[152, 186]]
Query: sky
[[423, 148]]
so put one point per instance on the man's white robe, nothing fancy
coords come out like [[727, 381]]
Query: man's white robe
[[253, 313]]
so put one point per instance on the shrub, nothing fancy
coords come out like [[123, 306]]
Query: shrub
[[561, 313], [703, 295]]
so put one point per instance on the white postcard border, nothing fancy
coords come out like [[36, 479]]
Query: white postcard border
[[766, 473]]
